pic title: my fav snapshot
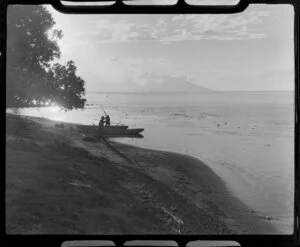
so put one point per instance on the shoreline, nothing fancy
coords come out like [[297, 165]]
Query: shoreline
[[232, 210], [181, 192]]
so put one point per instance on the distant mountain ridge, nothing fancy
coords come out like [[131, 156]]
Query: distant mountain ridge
[[155, 87], [172, 86]]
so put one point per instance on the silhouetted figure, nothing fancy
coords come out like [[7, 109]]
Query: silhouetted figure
[[107, 120], [101, 127]]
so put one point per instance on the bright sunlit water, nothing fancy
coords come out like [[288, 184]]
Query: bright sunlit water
[[246, 138]]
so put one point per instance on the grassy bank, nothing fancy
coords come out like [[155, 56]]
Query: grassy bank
[[58, 183]]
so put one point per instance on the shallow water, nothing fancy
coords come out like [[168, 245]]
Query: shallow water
[[246, 138]]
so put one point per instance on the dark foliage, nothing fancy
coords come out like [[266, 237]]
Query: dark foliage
[[33, 77]]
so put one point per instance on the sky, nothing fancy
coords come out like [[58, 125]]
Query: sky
[[249, 51]]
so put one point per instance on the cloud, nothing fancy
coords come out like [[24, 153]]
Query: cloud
[[132, 63], [148, 78], [169, 29], [173, 28], [119, 31], [136, 62], [220, 27], [113, 59], [139, 70], [128, 62], [160, 61]]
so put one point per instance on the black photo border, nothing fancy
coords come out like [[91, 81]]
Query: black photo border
[[180, 8]]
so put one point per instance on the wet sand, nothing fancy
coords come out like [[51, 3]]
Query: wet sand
[[60, 181]]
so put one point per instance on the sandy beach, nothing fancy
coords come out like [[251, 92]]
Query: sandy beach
[[60, 181]]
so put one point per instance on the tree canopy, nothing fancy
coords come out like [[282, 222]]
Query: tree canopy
[[34, 77]]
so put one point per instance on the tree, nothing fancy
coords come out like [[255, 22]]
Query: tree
[[33, 78], [68, 86]]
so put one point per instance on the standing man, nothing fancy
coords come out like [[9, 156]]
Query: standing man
[[101, 127], [107, 120]]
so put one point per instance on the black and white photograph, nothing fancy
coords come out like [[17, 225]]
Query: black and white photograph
[[150, 123]]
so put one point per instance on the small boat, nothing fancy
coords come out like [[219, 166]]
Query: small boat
[[92, 128], [134, 131], [116, 127], [120, 130], [113, 130]]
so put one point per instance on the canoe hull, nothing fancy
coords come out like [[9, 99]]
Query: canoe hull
[[134, 131], [121, 131], [115, 130]]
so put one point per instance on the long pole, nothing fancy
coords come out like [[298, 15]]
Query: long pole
[[103, 110]]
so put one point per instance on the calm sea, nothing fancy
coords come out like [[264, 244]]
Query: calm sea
[[247, 138]]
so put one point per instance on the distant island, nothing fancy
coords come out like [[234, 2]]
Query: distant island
[[172, 86], [175, 86]]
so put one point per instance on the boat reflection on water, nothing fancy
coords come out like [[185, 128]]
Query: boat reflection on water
[[138, 136], [124, 137]]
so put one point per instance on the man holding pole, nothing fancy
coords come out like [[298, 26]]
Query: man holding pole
[[101, 127]]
